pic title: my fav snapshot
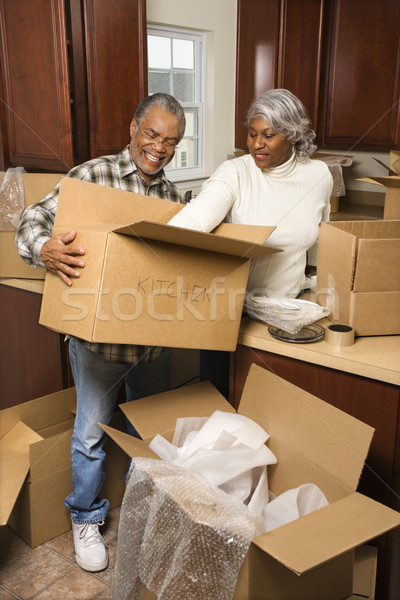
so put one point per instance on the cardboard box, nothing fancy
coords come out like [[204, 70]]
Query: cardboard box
[[35, 466], [146, 282], [36, 187], [313, 441], [358, 276]]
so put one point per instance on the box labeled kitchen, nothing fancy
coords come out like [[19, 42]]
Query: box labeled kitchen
[[35, 186], [35, 466], [358, 276], [310, 557], [146, 282]]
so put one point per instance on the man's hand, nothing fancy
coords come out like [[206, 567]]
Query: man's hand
[[62, 257]]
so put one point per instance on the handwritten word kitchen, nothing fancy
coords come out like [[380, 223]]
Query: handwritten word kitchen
[[178, 289]]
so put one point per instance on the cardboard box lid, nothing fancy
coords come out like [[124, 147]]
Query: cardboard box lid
[[14, 465], [211, 242], [331, 531], [90, 206], [23, 445], [391, 181], [326, 436]]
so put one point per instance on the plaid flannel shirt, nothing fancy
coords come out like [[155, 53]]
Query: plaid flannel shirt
[[118, 171]]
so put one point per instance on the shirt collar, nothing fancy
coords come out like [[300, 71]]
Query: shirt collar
[[127, 167]]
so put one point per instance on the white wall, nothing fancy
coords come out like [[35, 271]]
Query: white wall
[[217, 18]]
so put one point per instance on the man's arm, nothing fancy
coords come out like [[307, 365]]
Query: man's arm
[[37, 247]]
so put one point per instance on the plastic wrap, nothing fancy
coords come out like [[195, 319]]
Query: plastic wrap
[[11, 199], [178, 537], [285, 313], [335, 164]]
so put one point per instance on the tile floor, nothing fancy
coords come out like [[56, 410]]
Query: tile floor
[[49, 571]]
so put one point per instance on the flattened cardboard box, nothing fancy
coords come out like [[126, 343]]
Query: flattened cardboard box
[[358, 275], [314, 442], [35, 466], [36, 187], [145, 282]]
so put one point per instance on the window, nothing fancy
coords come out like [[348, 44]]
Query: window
[[175, 61]]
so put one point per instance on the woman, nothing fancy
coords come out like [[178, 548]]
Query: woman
[[275, 184]]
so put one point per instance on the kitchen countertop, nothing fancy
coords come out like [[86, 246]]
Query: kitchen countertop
[[375, 357]]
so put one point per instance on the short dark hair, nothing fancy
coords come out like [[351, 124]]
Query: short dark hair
[[164, 101]]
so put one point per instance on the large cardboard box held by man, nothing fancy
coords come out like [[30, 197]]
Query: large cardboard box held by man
[[146, 282], [35, 466], [358, 275], [314, 442], [35, 187]]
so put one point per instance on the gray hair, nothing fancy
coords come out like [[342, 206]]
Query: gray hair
[[164, 101], [286, 114]]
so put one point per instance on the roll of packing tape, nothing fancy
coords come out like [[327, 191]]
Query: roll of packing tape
[[339, 335]]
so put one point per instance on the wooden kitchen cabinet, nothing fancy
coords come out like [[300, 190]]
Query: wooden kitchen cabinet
[[374, 402], [33, 359], [340, 58], [72, 74]]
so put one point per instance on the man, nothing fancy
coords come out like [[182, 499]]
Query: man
[[99, 370]]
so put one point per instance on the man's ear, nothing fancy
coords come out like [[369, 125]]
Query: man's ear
[[133, 127]]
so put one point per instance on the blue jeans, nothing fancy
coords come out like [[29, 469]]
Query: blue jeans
[[98, 382]]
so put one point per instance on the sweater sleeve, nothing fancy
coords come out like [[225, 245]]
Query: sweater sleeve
[[211, 206]]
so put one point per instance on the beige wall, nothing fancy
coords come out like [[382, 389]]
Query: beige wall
[[217, 18]]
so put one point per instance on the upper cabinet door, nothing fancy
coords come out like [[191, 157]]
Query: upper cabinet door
[[116, 62], [256, 57], [300, 52], [362, 88], [35, 111]]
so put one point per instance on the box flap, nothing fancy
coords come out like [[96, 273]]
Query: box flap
[[329, 532], [158, 413], [389, 181], [40, 413], [336, 254], [377, 265], [129, 444], [82, 203], [198, 239], [14, 465], [324, 435]]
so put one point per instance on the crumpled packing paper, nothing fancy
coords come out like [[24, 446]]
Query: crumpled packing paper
[[228, 451]]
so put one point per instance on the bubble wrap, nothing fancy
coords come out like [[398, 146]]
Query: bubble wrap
[[11, 199], [335, 164], [288, 314], [178, 537]]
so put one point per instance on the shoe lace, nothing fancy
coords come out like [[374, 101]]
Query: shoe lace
[[90, 535]]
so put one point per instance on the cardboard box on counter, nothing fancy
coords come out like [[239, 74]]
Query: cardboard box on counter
[[392, 183], [35, 466], [358, 276], [314, 442], [146, 282], [36, 187]]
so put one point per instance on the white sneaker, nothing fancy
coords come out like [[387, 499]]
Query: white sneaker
[[90, 550]]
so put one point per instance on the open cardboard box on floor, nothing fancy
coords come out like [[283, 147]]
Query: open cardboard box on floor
[[314, 442], [146, 282], [36, 187], [358, 275], [35, 466]]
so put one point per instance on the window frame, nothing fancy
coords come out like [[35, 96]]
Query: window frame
[[186, 173]]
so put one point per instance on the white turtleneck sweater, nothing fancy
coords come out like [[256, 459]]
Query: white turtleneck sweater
[[294, 197]]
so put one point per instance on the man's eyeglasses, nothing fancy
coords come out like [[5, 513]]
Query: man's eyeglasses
[[152, 137]]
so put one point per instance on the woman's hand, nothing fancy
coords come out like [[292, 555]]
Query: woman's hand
[[62, 258]]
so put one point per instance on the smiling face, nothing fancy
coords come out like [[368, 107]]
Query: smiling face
[[268, 149], [153, 144]]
